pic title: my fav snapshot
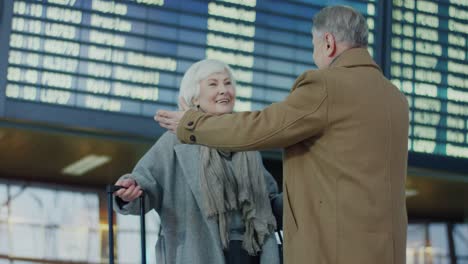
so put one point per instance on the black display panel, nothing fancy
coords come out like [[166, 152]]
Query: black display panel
[[111, 64], [124, 59], [428, 61]]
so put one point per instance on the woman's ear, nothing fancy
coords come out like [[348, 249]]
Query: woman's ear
[[196, 102]]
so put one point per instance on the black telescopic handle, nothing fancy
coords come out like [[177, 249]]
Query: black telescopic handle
[[142, 229], [110, 220], [114, 188], [110, 191]]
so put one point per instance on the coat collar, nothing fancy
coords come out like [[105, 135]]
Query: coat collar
[[354, 57]]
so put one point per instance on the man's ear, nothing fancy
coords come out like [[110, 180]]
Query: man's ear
[[330, 44]]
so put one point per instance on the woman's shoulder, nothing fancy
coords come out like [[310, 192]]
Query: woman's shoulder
[[167, 139]]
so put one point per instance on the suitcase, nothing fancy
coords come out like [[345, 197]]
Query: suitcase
[[280, 245], [110, 211]]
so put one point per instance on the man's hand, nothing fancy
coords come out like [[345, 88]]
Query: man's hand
[[170, 119]]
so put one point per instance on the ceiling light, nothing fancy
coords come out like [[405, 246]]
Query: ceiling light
[[85, 164], [411, 192]]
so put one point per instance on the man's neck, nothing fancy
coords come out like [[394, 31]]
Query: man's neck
[[340, 49]]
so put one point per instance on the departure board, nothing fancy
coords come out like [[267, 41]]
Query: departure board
[[112, 64], [128, 57], [429, 63]]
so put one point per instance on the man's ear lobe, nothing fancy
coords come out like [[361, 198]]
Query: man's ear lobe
[[331, 44], [331, 50]]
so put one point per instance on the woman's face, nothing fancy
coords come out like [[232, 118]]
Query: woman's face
[[217, 94]]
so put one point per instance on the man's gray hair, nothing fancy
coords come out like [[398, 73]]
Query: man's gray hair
[[345, 23], [190, 84]]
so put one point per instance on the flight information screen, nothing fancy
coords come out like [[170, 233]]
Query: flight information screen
[[429, 63], [128, 57], [112, 64]]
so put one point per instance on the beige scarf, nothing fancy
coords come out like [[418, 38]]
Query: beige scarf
[[243, 189]]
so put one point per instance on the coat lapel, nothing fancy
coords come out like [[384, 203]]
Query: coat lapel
[[188, 159]]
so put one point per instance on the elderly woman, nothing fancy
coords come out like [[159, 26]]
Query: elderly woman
[[214, 205]]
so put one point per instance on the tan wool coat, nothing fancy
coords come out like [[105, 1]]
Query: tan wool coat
[[344, 130]]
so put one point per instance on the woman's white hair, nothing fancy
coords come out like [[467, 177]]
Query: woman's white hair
[[346, 24], [190, 84]]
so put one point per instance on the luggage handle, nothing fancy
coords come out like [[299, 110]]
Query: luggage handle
[[110, 191]]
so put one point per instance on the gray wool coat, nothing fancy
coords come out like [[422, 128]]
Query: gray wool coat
[[169, 175]]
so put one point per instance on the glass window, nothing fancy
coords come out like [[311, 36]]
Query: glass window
[[428, 243], [40, 223], [460, 238], [129, 240]]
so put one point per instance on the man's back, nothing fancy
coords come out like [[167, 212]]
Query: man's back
[[344, 130], [344, 187]]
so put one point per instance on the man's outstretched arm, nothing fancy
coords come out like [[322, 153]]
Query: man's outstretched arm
[[301, 115]]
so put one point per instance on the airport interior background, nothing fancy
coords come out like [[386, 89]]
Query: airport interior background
[[80, 81]]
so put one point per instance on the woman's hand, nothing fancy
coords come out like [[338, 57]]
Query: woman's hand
[[131, 190]]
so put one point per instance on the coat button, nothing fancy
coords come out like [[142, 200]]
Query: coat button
[[190, 123], [193, 138]]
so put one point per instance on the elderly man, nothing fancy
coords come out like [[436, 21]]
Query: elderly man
[[344, 130]]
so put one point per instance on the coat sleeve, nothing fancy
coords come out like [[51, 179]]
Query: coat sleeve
[[301, 115], [149, 174]]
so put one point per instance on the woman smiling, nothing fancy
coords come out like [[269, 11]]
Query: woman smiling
[[215, 206]]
